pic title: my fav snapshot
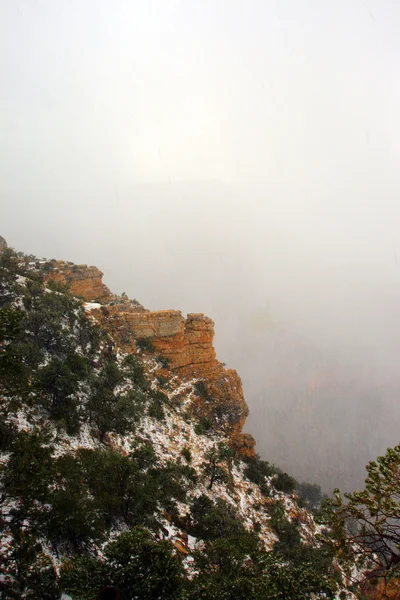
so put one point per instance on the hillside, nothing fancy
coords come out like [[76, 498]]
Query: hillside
[[123, 458]]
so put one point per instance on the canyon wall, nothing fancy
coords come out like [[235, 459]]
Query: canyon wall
[[187, 344], [83, 281]]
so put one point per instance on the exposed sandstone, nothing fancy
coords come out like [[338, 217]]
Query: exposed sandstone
[[227, 401], [245, 445], [188, 345], [156, 325], [132, 306], [114, 321], [83, 281], [180, 546]]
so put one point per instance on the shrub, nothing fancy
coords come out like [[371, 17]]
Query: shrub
[[138, 565], [257, 470], [156, 410], [201, 389], [210, 521], [145, 344], [202, 426], [164, 361], [163, 381], [134, 370], [285, 483], [187, 455]]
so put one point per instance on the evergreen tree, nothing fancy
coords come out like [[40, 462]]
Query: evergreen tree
[[137, 564], [364, 526]]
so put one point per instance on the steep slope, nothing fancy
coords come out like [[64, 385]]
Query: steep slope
[[121, 436]]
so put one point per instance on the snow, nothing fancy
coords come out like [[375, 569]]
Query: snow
[[91, 306], [169, 437]]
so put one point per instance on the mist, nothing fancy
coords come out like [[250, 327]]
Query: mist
[[235, 160]]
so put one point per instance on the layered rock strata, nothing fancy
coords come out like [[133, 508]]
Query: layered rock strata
[[186, 343], [83, 281]]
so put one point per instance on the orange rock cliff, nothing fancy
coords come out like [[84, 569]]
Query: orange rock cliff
[[83, 281], [186, 343]]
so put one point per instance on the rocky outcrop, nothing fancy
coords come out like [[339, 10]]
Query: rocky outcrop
[[122, 305], [245, 445], [83, 281], [188, 346], [226, 401], [186, 343]]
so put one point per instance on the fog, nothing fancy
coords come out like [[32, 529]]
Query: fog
[[238, 159]]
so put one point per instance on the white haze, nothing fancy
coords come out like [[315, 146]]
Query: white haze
[[234, 158]]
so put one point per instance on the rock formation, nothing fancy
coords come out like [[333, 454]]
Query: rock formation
[[187, 344], [83, 281], [245, 445]]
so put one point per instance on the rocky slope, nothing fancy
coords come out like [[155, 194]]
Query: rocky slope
[[92, 379], [187, 344]]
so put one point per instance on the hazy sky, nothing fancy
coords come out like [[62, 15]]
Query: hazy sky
[[238, 158], [98, 92]]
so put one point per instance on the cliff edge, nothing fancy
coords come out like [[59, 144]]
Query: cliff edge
[[186, 345]]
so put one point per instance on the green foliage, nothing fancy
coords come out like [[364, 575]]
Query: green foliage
[[133, 369], [163, 382], [62, 370], [57, 286], [71, 524], [145, 345], [13, 371], [29, 469], [187, 455], [203, 426], [8, 433], [156, 406], [113, 406], [10, 323], [284, 483], [138, 565], [229, 571], [164, 361], [257, 470], [156, 411], [59, 380], [124, 487], [10, 267], [47, 351], [201, 390], [215, 465], [31, 574], [310, 493], [211, 521], [364, 526], [74, 500], [101, 489]]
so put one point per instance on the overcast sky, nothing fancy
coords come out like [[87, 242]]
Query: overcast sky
[[238, 158], [95, 92]]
